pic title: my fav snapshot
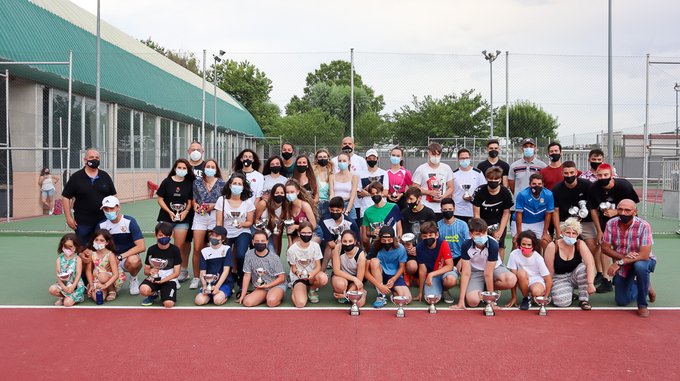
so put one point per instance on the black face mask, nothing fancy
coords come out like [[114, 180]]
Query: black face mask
[[347, 248], [336, 215], [275, 169], [429, 241], [376, 198], [448, 214], [279, 198], [536, 190], [287, 155], [555, 157], [594, 166], [247, 163], [301, 168], [306, 237], [493, 184], [625, 218], [493, 154], [372, 163], [412, 205], [322, 162], [347, 149], [94, 163], [569, 179], [603, 182], [260, 246]]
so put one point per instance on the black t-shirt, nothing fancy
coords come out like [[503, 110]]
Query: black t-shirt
[[288, 171], [565, 198], [484, 165], [491, 206], [176, 193], [410, 220], [88, 194], [171, 254], [621, 190], [198, 169]]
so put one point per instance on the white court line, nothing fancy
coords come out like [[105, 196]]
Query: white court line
[[310, 308]]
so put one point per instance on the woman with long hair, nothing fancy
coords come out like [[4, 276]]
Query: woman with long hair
[[248, 163], [323, 172], [304, 174], [299, 209], [271, 211]]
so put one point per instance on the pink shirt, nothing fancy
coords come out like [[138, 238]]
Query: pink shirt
[[402, 178]]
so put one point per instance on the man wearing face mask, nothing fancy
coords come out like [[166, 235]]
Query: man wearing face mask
[[195, 153], [466, 176], [436, 272], [522, 169], [415, 213], [288, 155], [127, 237], [534, 211], [493, 149], [336, 206], [84, 192], [492, 202], [434, 178], [374, 173], [357, 164], [552, 174], [595, 158]]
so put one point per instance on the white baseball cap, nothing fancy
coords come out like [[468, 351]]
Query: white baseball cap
[[110, 202], [372, 152]]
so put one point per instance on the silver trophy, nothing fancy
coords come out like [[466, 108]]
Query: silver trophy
[[542, 301], [374, 226], [158, 264], [302, 264], [65, 278], [400, 301], [492, 229], [395, 190], [288, 222], [582, 209], [236, 218], [260, 273], [573, 211], [209, 279], [337, 231], [466, 196], [354, 296], [607, 205], [277, 222], [490, 298], [437, 185], [178, 209], [262, 225], [432, 300], [408, 239]]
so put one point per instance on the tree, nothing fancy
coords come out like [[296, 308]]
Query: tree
[[185, 59], [527, 120], [300, 129], [371, 129], [464, 115]]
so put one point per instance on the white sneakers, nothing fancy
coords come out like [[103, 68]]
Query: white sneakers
[[195, 283], [134, 285], [183, 275]]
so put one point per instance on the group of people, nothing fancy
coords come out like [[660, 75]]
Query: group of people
[[430, 230]]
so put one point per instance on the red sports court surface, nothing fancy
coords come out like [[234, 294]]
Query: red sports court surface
[[114, 344]]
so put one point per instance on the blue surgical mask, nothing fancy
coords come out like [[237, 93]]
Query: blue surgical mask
[[181, 172], [395, 160], [343, 166], [571, 241], [482, 240], [210, 172], [164, 240], [236, 189], [464, 163], [291, 197], [529, 152], [110, 215]]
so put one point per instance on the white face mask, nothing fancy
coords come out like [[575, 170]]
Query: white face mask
[[99, 246], [435, 159], [195, 155]]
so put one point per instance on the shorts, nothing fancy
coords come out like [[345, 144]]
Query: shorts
[[303, 281], [477, 278], [167, 290], [47, 193], [501, 241], [589, 230], [437, 287], [536, 227], [121, 264], [536, 279], [398, 282], [225, 288], [179, 226], [204, 222]]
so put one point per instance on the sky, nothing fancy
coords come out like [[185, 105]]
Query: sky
[[557, 49]]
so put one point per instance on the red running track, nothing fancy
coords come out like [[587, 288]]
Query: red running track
[[268, 344]]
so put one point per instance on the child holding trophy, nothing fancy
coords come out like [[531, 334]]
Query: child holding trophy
[[162, 265], [349, 267], [386, 269], [69, 288], [216, 263], [264, 270], [304, 257], [532, 274], [102, 272]]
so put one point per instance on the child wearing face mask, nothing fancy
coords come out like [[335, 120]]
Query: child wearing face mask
[[218, 260], [436, 273], [304, 276], [264, 271], [103, 272], [533, 276], [72, 290], [349, 267], [162, 280]]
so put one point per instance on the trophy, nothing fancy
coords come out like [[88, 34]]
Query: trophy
[[354, 296], [466, 195], [573, 211], [158, 264], [437, 185], [607, 205], [542, 301], [65, 277], [400, 301], [277, 222], [236, 217], [374, 226], [209, 279], [408, 239], [288, 222], [582, 209], [490, 298], [395, 190], [432, 300], [492, 229], [178, 209], [302, 264], [260, 273], [337, 231], [262, 225]]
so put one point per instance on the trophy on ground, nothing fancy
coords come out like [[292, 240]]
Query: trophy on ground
[[466, 196], [209, 279], [490, 298], [158, 264], [260, 273], [432, 300], [235, 218], [395, 190], [354, 297], [302, 264], [178, 209], [542, 301], [400, 301]]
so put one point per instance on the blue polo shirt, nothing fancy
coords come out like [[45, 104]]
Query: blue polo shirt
[[534, 209]]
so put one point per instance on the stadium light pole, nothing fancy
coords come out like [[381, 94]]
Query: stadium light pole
[[217, 58], [610, 105], [491, 56], [677, 129], [98, 84]]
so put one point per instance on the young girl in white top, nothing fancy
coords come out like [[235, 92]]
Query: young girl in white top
[[345, 185], [305, 277], [532, 274]]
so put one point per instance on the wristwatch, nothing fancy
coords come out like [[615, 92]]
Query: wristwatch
[[120, 258], [619, 262]]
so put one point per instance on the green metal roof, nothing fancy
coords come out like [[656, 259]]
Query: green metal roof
[[31, 33]]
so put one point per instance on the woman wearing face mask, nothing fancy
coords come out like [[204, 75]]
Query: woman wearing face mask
[[271, 211], [47, 181], [345, 185], [236, 212], [572, 266], [323, 171], [305, 177], [272, 175], [311, 277], [248, 163], [177, 190], [299, 209], [399, 176]]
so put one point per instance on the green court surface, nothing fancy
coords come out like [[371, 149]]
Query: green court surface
[[28, 254]]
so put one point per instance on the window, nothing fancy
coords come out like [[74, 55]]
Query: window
[[166, 146], [124, 143], [60, 116], [137, 139], [148, 140]]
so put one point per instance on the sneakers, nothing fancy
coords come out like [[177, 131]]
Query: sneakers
[[605, 286], [148, 301], [526, 303], [134, 285], [598, 279], [643, 312], [194, 283], [343, 301], [183, 275], [448, 299], [380, 302], [314, 295]]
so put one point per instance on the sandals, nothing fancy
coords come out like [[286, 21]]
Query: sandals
[[59, 302], [111, 296], [585, 305]]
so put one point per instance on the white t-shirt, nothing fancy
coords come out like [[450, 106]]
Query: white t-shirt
[[228, 219], [269, 182], [357, 164], [256, 180], [424, 177], [364, 179], [474, 178], [533, 265], [313, 251]]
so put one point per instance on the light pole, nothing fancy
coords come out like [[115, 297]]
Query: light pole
[[217, 58], [677, 130], [491, 57]]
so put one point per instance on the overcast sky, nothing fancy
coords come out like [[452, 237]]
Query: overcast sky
[[437, 46]]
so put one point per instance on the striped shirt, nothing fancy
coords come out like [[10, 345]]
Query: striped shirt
[[631, 240], [271, 263]]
